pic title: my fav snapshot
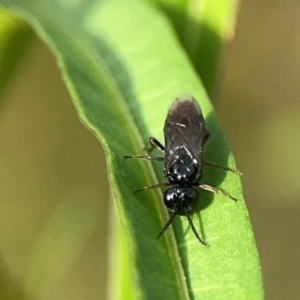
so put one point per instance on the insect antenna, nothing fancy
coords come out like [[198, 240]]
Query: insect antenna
[[194, 230], [154, 186], [167, 224], [209, 188], [144, 157]]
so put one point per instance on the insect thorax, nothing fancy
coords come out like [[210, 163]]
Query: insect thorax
[[182, 170]]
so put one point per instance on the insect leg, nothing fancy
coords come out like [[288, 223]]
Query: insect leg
[[167, 224], [154, 143], [155, 186], [194, 230], [226, 169], [215, 190], [145, 157]]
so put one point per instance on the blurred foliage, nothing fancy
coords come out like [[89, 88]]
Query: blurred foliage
[[15, 37], [260, 113], [54, 210]]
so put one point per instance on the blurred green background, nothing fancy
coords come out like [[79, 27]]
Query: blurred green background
[[42, 167]]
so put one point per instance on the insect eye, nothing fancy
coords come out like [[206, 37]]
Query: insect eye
[[169, 198]]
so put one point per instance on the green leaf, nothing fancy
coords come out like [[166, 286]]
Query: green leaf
[[123, 66], [204, 29]]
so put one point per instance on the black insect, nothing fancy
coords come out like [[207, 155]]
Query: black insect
[[185, 135]]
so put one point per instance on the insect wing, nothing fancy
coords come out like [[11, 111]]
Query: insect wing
[[184, 129]]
